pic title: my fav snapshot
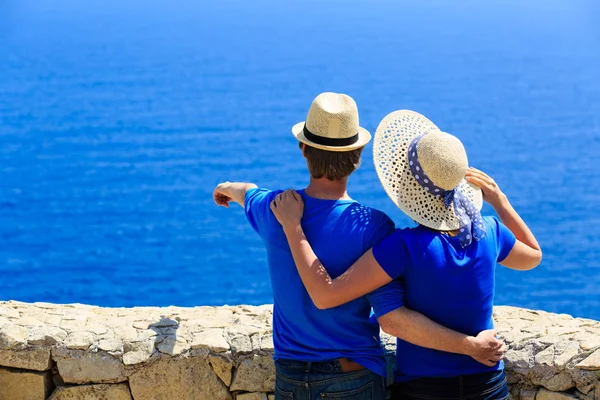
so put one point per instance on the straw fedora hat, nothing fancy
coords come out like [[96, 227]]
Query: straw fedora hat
[[442, 159], [332, 124]]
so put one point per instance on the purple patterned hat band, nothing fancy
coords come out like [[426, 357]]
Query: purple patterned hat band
[[470, 221]]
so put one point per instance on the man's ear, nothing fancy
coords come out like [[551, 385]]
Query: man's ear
[[303, 148]]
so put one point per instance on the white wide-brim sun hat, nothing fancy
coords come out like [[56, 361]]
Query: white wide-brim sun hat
[[332, 124], [442, 157]]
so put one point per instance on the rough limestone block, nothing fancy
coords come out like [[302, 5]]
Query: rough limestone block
[[266, 343], [72, 324], [142, 324], [163, 322], [248, 328], [263, 342], [212, 339], [545, 394], [582, 396], [592, 395], [118, 391], [592, 362], [271, 397], [172, 346], [545, 357], [556, 383], [252, 396], [222, 367], [137, 352], [8, 312], [36, 359], [146, 335], [240, 344], [255, 375], [113, 345], [46, 306], [583, 377], [587, 388], [527, 394], [79, 340], [12, 336], [95, 328], [177, 378], [21, 385], [587, 341], [28, 321], [211, 317], [519, 360], [53, 320], [76, 366], [126, 333], [46, 336], [571, 349]]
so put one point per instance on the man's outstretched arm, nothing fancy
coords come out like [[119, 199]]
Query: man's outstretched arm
[[416, 328], [227, 192]]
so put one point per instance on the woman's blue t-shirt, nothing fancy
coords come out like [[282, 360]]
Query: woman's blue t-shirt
[[452, 285]]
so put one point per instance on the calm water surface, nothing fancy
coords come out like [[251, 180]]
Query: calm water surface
[[118, 118]]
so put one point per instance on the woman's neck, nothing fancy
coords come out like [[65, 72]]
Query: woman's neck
[[447, 233]]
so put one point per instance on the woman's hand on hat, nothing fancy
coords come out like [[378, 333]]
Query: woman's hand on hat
[[491, 191], [288, 208]]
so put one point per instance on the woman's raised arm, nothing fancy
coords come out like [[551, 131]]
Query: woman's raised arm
[[526, 254], [364, 276]]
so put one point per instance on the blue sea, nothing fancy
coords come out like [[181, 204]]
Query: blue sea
[[118, 118]]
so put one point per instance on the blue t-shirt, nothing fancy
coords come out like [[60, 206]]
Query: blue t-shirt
[[340, 232], [452, 285]]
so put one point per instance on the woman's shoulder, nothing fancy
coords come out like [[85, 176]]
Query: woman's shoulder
[[491, 222], [408, 235]]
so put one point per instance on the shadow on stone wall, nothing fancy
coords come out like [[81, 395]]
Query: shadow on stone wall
[[166, 335]]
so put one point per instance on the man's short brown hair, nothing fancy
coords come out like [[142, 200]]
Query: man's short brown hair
[[334, 165]]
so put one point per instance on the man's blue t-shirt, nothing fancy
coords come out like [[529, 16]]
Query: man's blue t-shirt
[[340, 232], [452, 285]]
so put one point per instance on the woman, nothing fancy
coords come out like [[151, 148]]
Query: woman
[[447, 262]]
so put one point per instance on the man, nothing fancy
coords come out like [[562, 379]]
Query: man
[[335, 353]]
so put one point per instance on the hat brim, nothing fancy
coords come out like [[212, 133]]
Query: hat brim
[[390, 155], [364, 137]]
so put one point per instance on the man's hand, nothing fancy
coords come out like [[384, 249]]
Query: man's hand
[[288, 208], [221, 194], [486, 348], [227, 192]]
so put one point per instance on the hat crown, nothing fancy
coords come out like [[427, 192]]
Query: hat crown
[[333, 115], [440, 156], [443, 158]]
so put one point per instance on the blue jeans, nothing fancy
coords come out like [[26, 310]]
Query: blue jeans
[[298, 380], [484, 386]]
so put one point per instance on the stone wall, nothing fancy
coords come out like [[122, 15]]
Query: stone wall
[[73, 352]]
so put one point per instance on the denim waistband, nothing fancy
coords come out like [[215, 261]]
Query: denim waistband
[[308, 366]]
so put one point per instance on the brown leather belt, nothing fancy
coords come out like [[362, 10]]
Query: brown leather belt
[[349, 365]]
